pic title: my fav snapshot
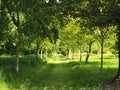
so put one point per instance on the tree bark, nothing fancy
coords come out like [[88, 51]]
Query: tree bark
[[80, 53], [117, 77], [41, 53], [46, 53], [73, 54], [102, 43], [29, 54], [18, 45], [17, 59], [69, 53], [37, 48], [37, 53], [18, 51], [88, 53]]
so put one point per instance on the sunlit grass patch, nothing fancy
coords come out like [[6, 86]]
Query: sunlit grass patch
[[4, 86]]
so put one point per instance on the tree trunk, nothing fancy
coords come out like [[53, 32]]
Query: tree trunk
[[102, 43], [117, 77], [37, 54], [29, 58], [73, 54], [18, 52], [46, 53], [17, 23], [15, 17], [17, 59], [88, 53], [80, 53], [29, 55], [37, 49], [41, 53], [69, 53]]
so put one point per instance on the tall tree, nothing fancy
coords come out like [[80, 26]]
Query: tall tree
[[21, 14], [114, 15], [14, 11]]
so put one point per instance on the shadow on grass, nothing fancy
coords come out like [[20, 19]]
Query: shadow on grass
[[62, 76]]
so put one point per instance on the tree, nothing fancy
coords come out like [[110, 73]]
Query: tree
[[110, 11], [86, 33], [89, 41], [101, 34], [114, 14], [22, 14], [68, 36], [14, 11], [46, 46]]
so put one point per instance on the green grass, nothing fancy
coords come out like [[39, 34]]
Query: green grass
[[57, 75]]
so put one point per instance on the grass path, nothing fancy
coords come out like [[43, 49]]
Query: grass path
[[72, 76], [64, 75]]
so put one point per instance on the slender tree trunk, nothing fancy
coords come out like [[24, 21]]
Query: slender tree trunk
[[69, 53], [37, 53], [18, 46], [117, 77], [18, 52], [17, 59], [88, 53], [46, 53], [80, 53], [102, 43], [29, 55], [41, 53], [16, 21], [37, 49], [73, 54], [66, 54]]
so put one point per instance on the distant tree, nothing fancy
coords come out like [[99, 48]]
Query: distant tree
[[81, 40], [101, 34], [68, 36], [89, 41], [46, 46]]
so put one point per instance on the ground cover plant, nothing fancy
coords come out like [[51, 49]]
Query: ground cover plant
[[61, 74]]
